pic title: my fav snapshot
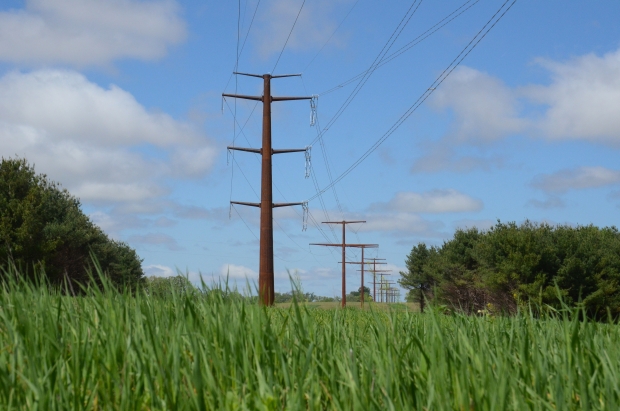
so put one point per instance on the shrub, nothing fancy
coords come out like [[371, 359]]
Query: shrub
[[43, 230]]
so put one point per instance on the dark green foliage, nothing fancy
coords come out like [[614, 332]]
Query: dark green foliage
[[419, 282], [356, 296], [508, 265], [43, 230]]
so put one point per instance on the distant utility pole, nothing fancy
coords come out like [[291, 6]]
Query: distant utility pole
[[388, 287], [381, 275], [344, 245], [374, 275], [266, 205], [362, 246]]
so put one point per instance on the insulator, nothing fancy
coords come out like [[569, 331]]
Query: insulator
[[308, 161], [306, 213], [313, 111]]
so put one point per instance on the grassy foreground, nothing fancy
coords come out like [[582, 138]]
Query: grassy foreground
[[115, 351]]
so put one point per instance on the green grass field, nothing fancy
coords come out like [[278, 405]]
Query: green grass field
[[120, 352]]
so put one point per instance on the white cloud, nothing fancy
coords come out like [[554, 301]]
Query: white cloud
[[196, 278], [548, 203], [313, 28], [436, 201], [88, 137], [576, 179], [66, 103], [581, 102], [157, 270], [582, 99], [442, 156], [89, 32], [406, 223], [479, 224], [237, 272], [156, 239], [485, 109]]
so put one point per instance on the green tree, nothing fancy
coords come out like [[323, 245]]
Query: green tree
[[418, 279], [43, 230], [512, 264]]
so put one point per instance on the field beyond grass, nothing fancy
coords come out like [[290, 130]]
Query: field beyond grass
[[115, 351], [368, 306]]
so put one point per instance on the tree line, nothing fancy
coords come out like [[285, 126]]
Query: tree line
[[527, 265], [45, 235]]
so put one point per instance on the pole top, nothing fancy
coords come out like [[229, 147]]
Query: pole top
[[342, 222], [268, 75]]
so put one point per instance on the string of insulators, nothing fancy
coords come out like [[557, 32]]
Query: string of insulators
[[308, 161], [313, 106], [305, 217]]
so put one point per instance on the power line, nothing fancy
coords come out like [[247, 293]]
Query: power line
[[386, 48], [289, 36], [330, 37], [250, 27], [232, 170], [239, 52], [426, 34], [379, 61], [438, 81]]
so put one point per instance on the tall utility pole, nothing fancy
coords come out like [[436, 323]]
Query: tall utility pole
[[362, 246], [266, 205], [344, 245]]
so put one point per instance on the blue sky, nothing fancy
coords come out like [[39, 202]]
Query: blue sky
[[120, 101]]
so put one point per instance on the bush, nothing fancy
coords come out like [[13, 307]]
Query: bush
[[43, 230], [511, 265]]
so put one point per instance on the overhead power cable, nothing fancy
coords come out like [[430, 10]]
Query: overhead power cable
[[330, 37], [393, 37], [438, 81], [239, 52], [429, 32], [386, 48], [289, 36], [232, 170]]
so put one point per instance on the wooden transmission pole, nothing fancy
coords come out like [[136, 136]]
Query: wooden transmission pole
[[266, 205], [344, 245], [362, 246], [374, 272], [388, 287], [381, 275]]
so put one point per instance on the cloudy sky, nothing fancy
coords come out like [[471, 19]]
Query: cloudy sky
[[120, 102]]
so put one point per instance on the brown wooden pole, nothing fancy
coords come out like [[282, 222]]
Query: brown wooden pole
[[344, 245], [265, 265], [344, 271], [374, 280], [265, 271], [362, 277]]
